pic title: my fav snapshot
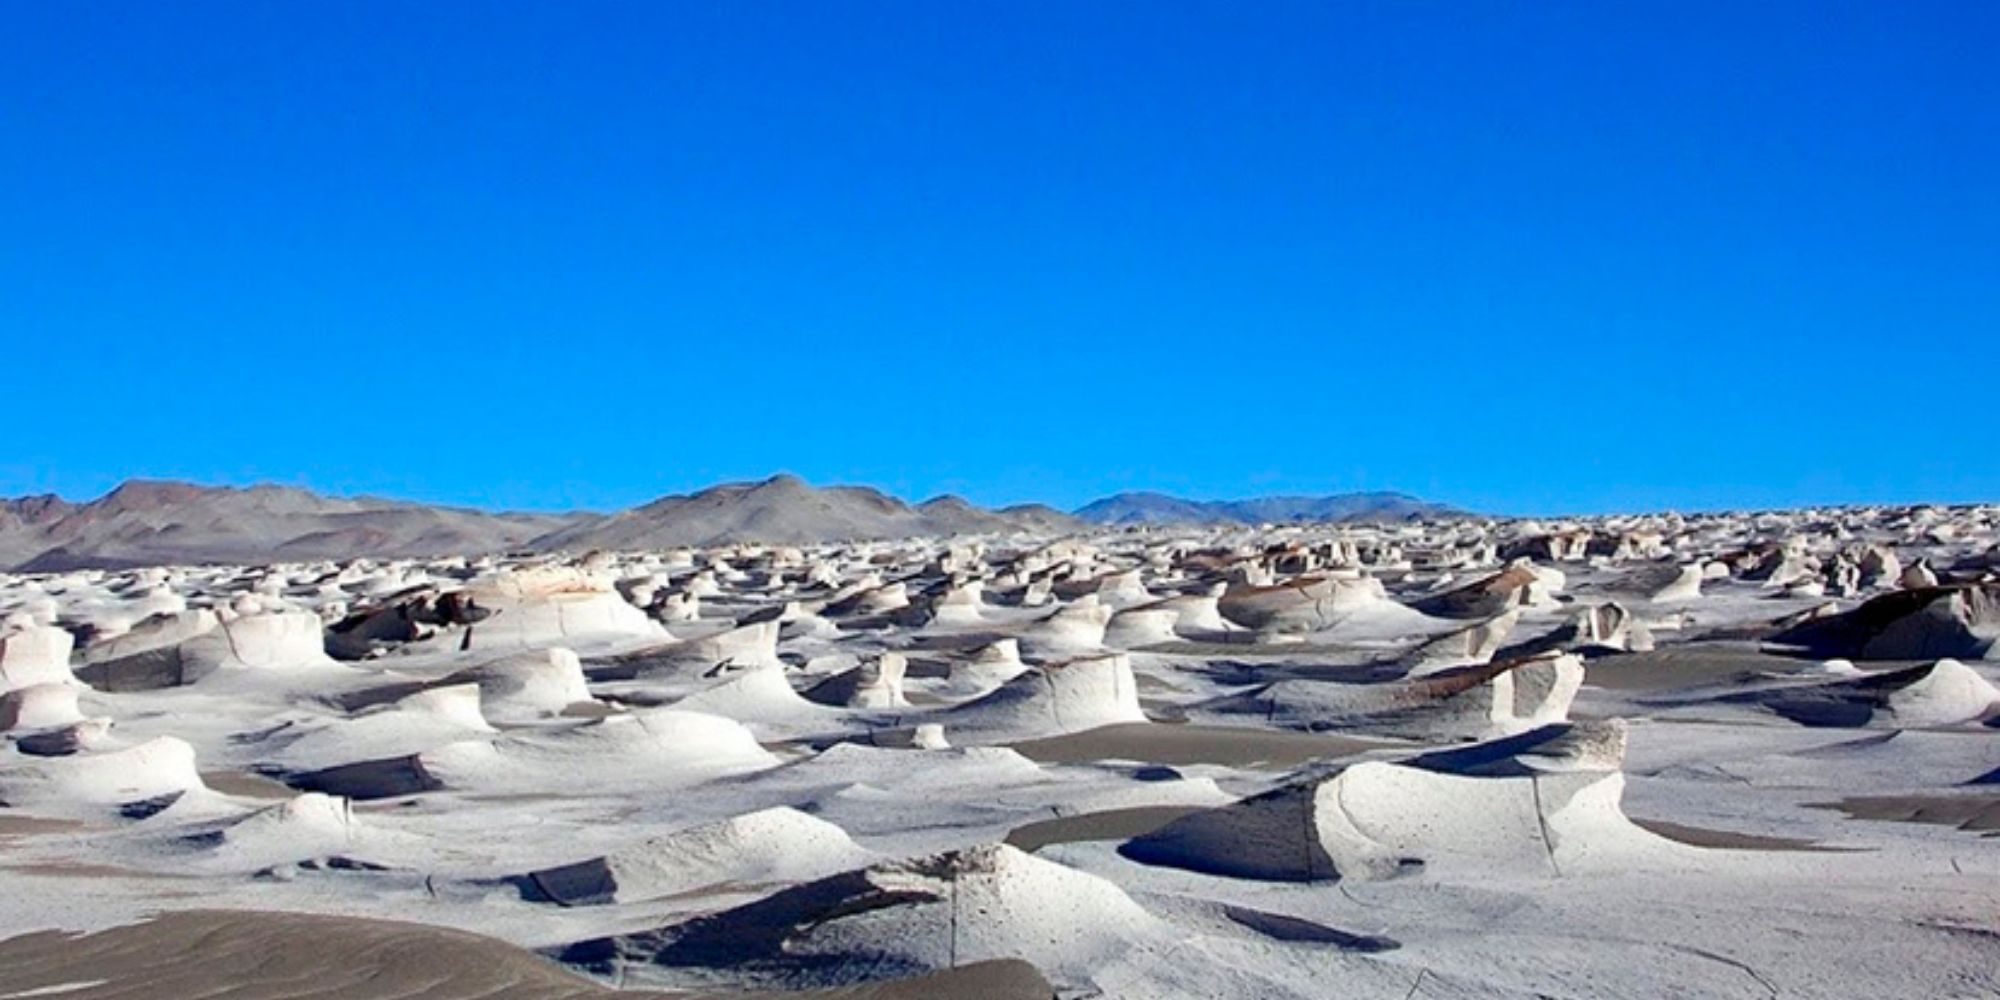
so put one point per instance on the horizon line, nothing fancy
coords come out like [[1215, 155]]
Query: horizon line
[[497, 510]]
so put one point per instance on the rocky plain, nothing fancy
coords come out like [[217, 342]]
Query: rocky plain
[[774, 740]]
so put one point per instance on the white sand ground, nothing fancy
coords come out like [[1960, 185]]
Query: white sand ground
[[1748, 756]]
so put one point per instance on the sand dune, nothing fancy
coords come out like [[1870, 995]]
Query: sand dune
[[294, 956]]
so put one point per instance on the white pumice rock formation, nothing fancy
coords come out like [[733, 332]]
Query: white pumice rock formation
[[1226, 759]]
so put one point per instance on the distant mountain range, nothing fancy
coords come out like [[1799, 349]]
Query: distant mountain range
[[1158, 508], [148, 523], [784, 509], [144, 523]]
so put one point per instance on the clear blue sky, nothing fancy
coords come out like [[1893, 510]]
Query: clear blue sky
[[1527, 257]]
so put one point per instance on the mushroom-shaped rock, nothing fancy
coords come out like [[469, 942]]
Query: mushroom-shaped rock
[[306, 827], [875, 601], [39, 706], [899, 918], [33, 655], [1943, 693], [1197, 615], [1304, 604], [1473, 644], [1475, 702], [1139, 627], [83, 735], [528, 685], [453, 705], [1595, 628], [958, 606], [419, 721], [1610, 626], [989, 667], [762, 698], [1948, 693], [1058, 698], [1521, 584], [1962, 622], [1475, 812], [874, 684], [1123, 590], [651, 750], [1880, 566], [745, 646], [405, 618], [1684, 586], [286, 640], [1075, 626], [159, 767], [770, 846], [549, 605], [674, 608]]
